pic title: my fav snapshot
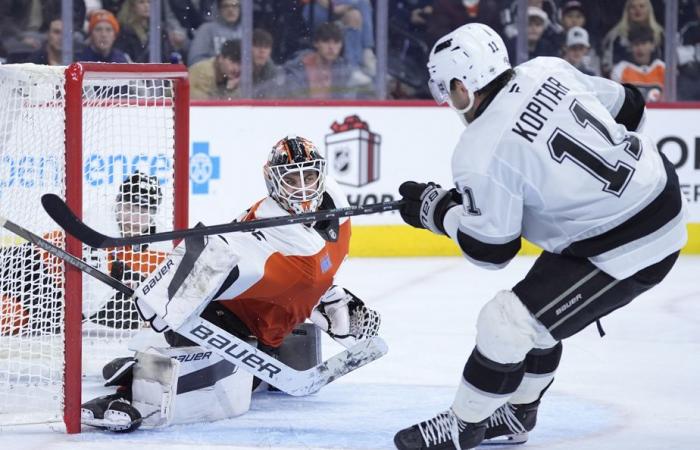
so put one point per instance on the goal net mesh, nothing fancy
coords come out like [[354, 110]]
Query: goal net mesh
[[127, 188]]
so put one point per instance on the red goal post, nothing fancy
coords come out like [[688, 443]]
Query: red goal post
[[112, 121]]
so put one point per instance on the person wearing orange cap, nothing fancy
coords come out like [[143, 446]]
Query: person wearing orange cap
[[103, 29]]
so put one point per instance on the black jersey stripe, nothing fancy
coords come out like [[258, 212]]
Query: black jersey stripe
[[632, 110], [663, 209], [488, 253]]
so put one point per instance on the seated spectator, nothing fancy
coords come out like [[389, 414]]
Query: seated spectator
[[23, 24], [451, 14], [209, 37], [103, 30], [537, 44], [267, 76], [574, 16], [134, 18], [643, 70], [322, 73], [186, 16], [218, 77], [689, 59], [356, 17], [576, 48], [616, 45], [509, 14], [50, 52]]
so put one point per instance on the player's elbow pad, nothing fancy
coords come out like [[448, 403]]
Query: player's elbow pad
[[492, 254], [632, 111]]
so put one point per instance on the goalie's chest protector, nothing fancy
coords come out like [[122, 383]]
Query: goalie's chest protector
[[282, 273]]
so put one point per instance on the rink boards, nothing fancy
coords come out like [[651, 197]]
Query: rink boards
[[371, 148]]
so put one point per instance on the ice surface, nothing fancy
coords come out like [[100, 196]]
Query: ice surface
[[636, 388]]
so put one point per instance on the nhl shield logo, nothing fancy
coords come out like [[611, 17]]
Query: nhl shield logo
[[341, 160]]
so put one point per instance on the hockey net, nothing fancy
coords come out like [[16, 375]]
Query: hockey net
[[112, 140]]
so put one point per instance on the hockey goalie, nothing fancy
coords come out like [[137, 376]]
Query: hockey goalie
[[260, 286]]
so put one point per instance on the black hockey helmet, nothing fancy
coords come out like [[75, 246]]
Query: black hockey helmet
[[141, 190]]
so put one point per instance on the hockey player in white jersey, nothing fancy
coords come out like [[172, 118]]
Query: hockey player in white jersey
[[557, 157]]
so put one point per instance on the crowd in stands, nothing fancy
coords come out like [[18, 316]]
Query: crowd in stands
[[325, 49]]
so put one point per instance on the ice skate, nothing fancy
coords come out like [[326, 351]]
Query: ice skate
[[510, 424], [444, 431]]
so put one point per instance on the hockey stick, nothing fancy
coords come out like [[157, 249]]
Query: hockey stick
[[231, 348], [63, 216]]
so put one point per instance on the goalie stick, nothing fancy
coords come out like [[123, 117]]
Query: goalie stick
[[59, 211], [231, 348]]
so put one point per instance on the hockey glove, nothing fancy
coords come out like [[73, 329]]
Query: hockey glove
[[425, 205], [345, 317]]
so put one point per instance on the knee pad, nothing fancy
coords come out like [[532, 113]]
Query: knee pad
[[507, 331]]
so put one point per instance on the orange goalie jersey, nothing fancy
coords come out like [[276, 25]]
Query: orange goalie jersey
[[284, 270]]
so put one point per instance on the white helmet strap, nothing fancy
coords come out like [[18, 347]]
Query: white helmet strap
[[467, 108]]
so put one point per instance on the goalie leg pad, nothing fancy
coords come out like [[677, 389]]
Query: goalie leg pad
[[188, 385]]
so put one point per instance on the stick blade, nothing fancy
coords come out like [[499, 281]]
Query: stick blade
[[341, 364], [57, 209]]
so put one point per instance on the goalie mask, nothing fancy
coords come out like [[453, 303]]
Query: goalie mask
[[295, 175], [137, 203]]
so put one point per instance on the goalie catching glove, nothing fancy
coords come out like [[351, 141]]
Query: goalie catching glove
[[425, 205], [345, 317]]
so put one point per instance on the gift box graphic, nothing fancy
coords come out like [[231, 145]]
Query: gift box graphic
[[352, 152]]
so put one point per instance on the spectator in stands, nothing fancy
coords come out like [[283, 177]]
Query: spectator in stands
[[267, 76], [616, 45], [209, 37], [322, 73], [356, 17], [186, 16], [573, 15], [103, 30], [134, 18], [643, 70], [450, 14], [576, 48], [23, 24], [509, 14], [50, 52], [537, 44], [689, 59], [217, 77]]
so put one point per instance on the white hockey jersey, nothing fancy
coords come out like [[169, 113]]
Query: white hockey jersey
[[546, 160]]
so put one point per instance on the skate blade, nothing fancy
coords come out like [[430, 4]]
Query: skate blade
[[511, 439]]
